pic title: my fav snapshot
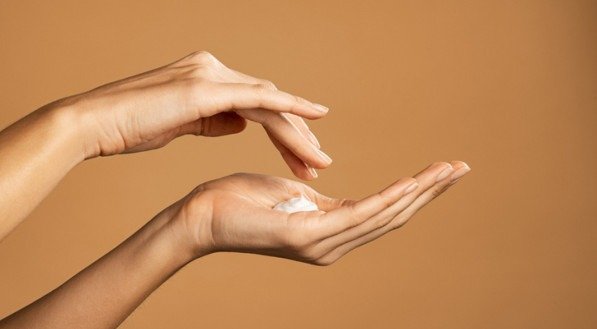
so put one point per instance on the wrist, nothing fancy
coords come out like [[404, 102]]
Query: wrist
[[191, 220], [69, 116], [62, 126]]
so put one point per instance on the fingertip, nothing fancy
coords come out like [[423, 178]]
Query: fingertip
[[447, 171], [309, 113], [304, 172], [312, 172], [457, 164], [460, 169], [322, 160], [321, 108]]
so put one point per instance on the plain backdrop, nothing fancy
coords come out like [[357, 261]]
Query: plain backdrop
[[508, 86]]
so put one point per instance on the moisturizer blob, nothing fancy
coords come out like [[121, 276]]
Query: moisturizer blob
[[296, 205]]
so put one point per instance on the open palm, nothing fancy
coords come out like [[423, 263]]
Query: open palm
[[235, 213]]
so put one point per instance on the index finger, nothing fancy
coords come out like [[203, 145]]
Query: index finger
[[241, 96]]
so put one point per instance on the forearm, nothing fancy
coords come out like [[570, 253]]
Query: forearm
[[36, 152], [106, 292]]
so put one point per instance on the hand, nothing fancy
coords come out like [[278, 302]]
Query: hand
[[195, 95], [235, 213]]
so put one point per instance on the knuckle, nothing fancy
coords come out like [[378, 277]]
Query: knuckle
[[196, 71], [399, 223], [379, 223], [437, 191], [269, 85], [261, 88], [386, 202], [299, 99], [401, 219], [202, 57], [352, 215]]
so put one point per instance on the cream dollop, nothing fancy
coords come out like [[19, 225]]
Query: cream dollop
[[296, 205]]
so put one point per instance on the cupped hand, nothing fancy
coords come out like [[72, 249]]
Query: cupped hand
[[235, 213], [196, 95]]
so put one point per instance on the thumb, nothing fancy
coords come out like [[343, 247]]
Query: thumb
[[224, 123]]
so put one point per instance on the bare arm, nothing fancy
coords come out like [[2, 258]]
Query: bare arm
[[105, 293], [35, 153]]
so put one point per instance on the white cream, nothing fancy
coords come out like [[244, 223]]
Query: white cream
[[296, 205]]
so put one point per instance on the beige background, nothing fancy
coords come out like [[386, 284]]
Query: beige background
[[508, 86]]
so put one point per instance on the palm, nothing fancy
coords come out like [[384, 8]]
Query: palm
[[235, 213], [242, 213]]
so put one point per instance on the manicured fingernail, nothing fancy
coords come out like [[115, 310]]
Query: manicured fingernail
[[460, 172], [312, 171], [313, 139], [320, 108], [444, 173], [413, 186], [324, 156]]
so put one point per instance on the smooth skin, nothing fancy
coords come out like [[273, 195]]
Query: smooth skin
[[230, 214], [194, 95]]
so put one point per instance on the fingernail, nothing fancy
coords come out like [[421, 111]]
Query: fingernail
[[324, 156], [312, 171], [444, 174], [313, 139], [320, 108], [413, 186], [460, 172]]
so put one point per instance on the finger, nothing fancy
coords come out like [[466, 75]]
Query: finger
[[283, 129], [294, 162], [298, 121], [239, 96], [351, 215], [460, 168], [224, 123], [245, 78], [323, 202], [296, 165], [425, 183], [303, 128]]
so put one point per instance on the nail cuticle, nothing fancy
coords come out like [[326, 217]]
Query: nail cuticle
[[320, 108], [323, 156], [459, 173], [444, 173], [312, 171]]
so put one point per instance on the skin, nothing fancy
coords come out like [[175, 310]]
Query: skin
[[203, 222], [194, 95]]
